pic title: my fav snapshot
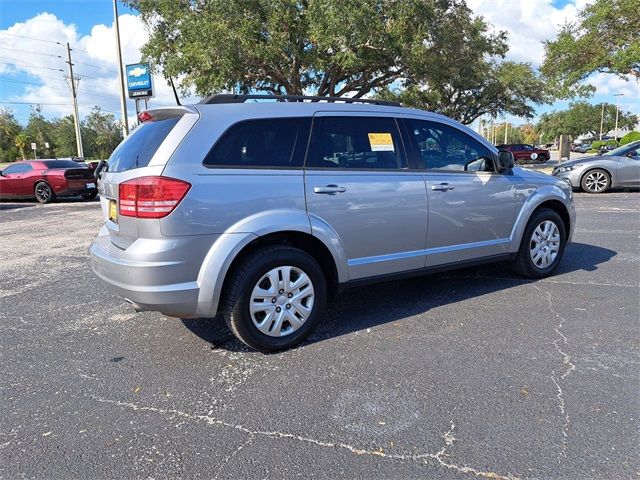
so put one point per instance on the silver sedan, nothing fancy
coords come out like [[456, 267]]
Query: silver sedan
[[617, 168]]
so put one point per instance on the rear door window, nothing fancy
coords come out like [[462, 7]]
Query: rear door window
[[139, 147], [273, 143], [367, 143]]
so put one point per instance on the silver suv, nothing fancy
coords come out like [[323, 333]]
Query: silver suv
[[259, 210]]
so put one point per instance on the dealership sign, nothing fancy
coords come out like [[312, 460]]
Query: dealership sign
[[139, 81]]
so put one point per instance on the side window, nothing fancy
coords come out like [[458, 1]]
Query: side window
[[273, 142], [527, 147], [443, 147], [367, 143], [17, 169]]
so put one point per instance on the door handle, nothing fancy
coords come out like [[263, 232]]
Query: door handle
[[329, 189], [443, 187]]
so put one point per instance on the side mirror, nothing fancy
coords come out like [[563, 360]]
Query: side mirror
[[505, 160], [632, 153], [1, 174]]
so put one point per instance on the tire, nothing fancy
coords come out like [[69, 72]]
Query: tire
[[534, 263], [90, 195], [596, 181], [542, 158], [44, 193], [282, 323]]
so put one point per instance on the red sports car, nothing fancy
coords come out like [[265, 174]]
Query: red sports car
[[524, 152], [47, 179]]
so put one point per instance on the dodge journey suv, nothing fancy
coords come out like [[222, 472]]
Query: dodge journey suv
[[257, 211]]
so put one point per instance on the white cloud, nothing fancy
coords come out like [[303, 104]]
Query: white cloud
[[94, 56], [528, 23]]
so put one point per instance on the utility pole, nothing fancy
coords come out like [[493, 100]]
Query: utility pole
[[506, 132], [123, 100], [74, 95], [601, 120]]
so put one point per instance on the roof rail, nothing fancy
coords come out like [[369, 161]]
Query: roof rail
[[234, 98]]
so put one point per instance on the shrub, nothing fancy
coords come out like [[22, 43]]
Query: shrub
[[630, 137]]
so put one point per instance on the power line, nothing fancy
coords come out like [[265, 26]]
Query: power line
[[28, 65], [56, 104], [90, 92], [95, 66], [30, 38], [34, 53]]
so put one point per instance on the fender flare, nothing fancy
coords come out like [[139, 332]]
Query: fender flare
[[540, 196], [228, 245]]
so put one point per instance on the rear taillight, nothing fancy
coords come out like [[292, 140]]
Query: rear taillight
[[151, 197]]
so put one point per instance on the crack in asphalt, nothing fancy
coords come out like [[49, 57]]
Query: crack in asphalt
[[568, 365], [448, 438]]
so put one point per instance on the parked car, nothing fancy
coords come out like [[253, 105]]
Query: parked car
[[523, 152], [47, 179], [583, 148], [260, 211], [617, 168]]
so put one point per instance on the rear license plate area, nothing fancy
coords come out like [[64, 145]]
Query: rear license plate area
[[113, 211]]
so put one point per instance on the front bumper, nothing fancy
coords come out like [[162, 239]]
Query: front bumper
[[153, 274], [571, 177]]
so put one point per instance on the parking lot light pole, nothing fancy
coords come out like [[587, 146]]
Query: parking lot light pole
[[601, 120], [617, 111]]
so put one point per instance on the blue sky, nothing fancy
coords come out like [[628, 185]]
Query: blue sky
[[30, 68]]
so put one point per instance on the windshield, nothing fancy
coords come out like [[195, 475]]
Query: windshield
[[623, 150]]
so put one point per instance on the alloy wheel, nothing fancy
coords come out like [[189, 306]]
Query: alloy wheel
[[595, 181], [43, 192], [545, 244], [281, 301]]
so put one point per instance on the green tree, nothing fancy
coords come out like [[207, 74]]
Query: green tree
[[22, 143], [529, 134], [582, 118], [605, 39], [489, 88], [64, 137], [447, 59], [40, 131], [103, 134], [9, 129]]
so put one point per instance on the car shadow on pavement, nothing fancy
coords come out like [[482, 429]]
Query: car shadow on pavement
[[369, 306]]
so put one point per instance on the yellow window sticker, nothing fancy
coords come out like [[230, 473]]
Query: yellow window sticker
[[381, 142]]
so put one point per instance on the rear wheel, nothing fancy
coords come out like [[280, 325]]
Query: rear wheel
[[90, 195], [596, 181], [44, 193], [275, 298], [542, 245]]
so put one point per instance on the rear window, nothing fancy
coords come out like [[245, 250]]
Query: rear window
[[273, 142], [138, 148], [51, 164]]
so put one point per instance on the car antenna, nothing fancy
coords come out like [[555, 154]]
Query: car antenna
[[175, 93]]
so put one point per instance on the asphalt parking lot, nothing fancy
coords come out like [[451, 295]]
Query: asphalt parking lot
[[475, 373]]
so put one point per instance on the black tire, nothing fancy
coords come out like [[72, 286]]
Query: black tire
[[44, 193], [595, 181], [542, 158], [523, 263], [241, 282], [90, 195]]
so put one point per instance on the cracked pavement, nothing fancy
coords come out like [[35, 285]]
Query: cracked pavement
[[467, 374]]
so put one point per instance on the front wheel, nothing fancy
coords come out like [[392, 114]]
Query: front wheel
[[542, 245], [275, 298], [596, 181], [542, 158], [44, 193]]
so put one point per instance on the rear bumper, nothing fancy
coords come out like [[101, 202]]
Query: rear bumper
[[149, 275]]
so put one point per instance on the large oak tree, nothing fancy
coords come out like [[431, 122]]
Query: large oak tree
[[445, 56]]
